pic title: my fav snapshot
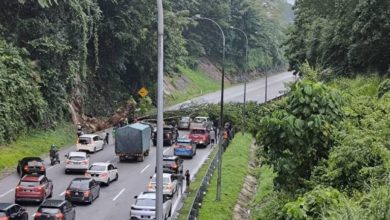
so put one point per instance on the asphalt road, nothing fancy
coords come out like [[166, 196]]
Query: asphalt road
[[115, 200], [255, 91]]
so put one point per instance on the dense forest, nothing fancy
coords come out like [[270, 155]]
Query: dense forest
[[90, 56], [341, 36]]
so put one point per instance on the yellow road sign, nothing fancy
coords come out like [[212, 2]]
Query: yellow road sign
[[143, 92]]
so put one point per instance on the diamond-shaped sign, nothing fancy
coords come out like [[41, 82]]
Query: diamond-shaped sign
[[143, 92]]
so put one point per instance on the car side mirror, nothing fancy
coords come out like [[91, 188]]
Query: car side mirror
[[150, 177], [135, 197]]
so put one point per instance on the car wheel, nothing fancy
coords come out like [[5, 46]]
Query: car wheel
[[94, 149], [25, 216], [116, 177], [66, 171], [103, 147], [170, 212], [108, 182], [90, 200], [51, 194]]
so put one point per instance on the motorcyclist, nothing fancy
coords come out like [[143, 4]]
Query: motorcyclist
[[79, 130], [54, 154]]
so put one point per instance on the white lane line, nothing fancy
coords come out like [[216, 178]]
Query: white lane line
[[143, 170], [166, 150], [63, 193], [4, 194], [119, 194]]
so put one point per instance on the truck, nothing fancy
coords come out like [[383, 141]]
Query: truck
[[200, 136], [201, 122], [132, 142]]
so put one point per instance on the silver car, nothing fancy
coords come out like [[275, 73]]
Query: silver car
[[145, 206], [184, 123], [77, 161]]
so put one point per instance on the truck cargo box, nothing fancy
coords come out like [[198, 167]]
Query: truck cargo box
[[132, 139]]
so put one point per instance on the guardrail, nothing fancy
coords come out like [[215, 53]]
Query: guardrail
[[200, 193]]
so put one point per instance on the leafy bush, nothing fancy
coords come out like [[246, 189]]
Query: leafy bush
[[384, 87]]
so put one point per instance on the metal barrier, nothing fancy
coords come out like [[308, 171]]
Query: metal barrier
[[201, 192]]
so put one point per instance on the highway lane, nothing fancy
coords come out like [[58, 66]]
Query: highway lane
[[115, 200], [255, 91]]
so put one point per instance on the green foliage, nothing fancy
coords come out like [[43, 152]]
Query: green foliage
[[384, 87], [342, 35], [145, 104], [20, 100], [297, 138]]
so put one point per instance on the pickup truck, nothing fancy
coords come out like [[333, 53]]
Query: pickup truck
[[132, 141], [201, 122], [200, 136]]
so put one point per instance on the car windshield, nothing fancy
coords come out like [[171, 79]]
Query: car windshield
[[198, 132], [77, 158], [167, 129], [165, 180], [77, 184], [29, 184], [97, 168], [168, 162], [49, 210], [34, 163], [84, 140], [145, 202], [199, 120]]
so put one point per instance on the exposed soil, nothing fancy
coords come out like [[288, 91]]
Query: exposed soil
[[248, 191]]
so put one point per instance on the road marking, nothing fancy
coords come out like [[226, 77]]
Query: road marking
[[120, 193], [4, 194], [166, 150], [63, 193], [145, 168]]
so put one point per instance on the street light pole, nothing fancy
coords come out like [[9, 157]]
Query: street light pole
[[245, 70], [160, 112], [221, 127]]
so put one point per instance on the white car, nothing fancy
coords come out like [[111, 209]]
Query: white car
[[77, 161], [169, 184], [145, 206], [103, 172], [90, 143]]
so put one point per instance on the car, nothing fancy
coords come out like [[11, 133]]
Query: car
[[77, 161], [83, 190], [184, 147], [172, 164], [169, 184], [103, 172], [31, 165], [184, 123], [90, 143], [33, 188], [55, 209], [200, 136], [170, 135], [9, 211], [144, 207]]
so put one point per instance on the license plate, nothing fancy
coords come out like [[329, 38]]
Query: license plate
[[76, 163], [145, 216]]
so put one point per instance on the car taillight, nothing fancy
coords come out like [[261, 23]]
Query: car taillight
[[37, 214], [85, 161], [87, 174], [67, 161], [150, 186], [18, 188], [174, 166], [67, 192], [25, 168], [189, 147], [59, 216], [104, 174], [39, 188], [42, 168], [87, 193], [4, 218]]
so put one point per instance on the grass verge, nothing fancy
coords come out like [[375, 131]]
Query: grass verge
[[200, 84], [35, 144], [234, 170], [195, 186]]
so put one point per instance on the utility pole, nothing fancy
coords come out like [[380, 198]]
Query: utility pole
[[160, 112], [221, 126], [245, 70]]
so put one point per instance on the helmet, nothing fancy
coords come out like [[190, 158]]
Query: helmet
[[53, 146]]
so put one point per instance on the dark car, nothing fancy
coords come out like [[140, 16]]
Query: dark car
[[33, 188], [170, 134], [172, 164], [31, 165], [55, 209], [9, 211], [84, 190]]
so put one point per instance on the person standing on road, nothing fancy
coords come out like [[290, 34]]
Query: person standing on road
[[188, 178], [107, 138], [212, 136]]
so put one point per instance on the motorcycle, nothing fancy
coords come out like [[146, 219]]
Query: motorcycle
[[54, 159]]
